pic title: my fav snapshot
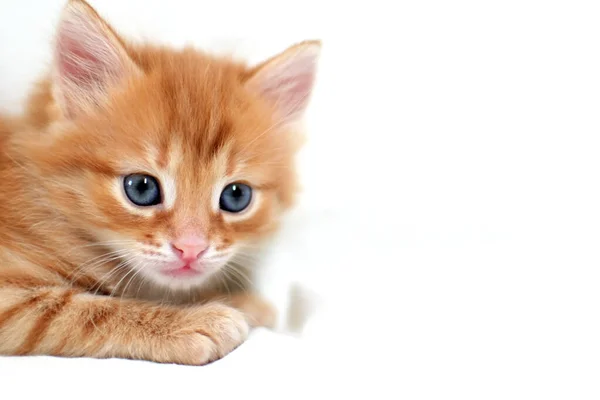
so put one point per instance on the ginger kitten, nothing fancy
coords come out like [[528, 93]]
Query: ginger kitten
[[136, 177]]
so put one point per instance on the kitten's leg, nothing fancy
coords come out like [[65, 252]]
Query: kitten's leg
[[258, 311], [64, 322]]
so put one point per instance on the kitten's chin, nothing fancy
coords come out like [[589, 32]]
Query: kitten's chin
[[187, 271], [175, 277]]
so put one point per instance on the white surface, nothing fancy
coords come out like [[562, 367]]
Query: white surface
[[37, 377], [452, 215]]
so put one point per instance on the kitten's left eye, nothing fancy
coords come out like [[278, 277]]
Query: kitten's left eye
[[235, 197], [142, 190]]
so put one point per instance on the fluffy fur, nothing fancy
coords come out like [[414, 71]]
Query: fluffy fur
[[82, 269]]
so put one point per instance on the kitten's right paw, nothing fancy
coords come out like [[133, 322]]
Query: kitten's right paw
[[212, 331]]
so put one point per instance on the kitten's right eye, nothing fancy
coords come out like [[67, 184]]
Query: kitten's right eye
[[142, 190]]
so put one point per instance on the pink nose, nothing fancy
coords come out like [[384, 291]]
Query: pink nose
[[189, 248]]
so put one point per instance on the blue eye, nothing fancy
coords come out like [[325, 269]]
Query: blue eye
[[142, 190], [235, 197]]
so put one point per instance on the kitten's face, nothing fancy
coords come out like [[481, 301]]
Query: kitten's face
[[181, 162], [180, 183]]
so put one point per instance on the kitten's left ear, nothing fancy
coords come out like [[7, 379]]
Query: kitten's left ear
[[287, 80]]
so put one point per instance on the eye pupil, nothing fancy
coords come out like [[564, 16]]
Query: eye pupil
[[142, 186], [235, 197], [142, 190]]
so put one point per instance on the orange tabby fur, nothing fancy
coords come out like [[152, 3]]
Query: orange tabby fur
[[64, 289]]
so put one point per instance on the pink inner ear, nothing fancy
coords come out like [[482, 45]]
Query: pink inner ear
[[88, 58], [76, 63], [289, 83], [290, 94]]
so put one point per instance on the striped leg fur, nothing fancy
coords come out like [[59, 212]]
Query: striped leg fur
[[69, 323]]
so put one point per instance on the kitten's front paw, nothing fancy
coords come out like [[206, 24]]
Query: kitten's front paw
[[212, 331], [258, 311]]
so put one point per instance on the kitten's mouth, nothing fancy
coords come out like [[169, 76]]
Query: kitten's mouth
[[186, 271]]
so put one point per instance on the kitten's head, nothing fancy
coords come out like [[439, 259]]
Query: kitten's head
[[174, 160]]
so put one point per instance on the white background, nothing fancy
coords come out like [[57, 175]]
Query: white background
[[451, 218]]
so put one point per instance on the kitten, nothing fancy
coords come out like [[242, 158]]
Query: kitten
[[135, 177]]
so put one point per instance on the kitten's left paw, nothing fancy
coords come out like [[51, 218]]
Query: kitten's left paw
[[258, 311]]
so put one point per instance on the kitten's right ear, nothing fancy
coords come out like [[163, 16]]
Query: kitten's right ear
[[89, 57]]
